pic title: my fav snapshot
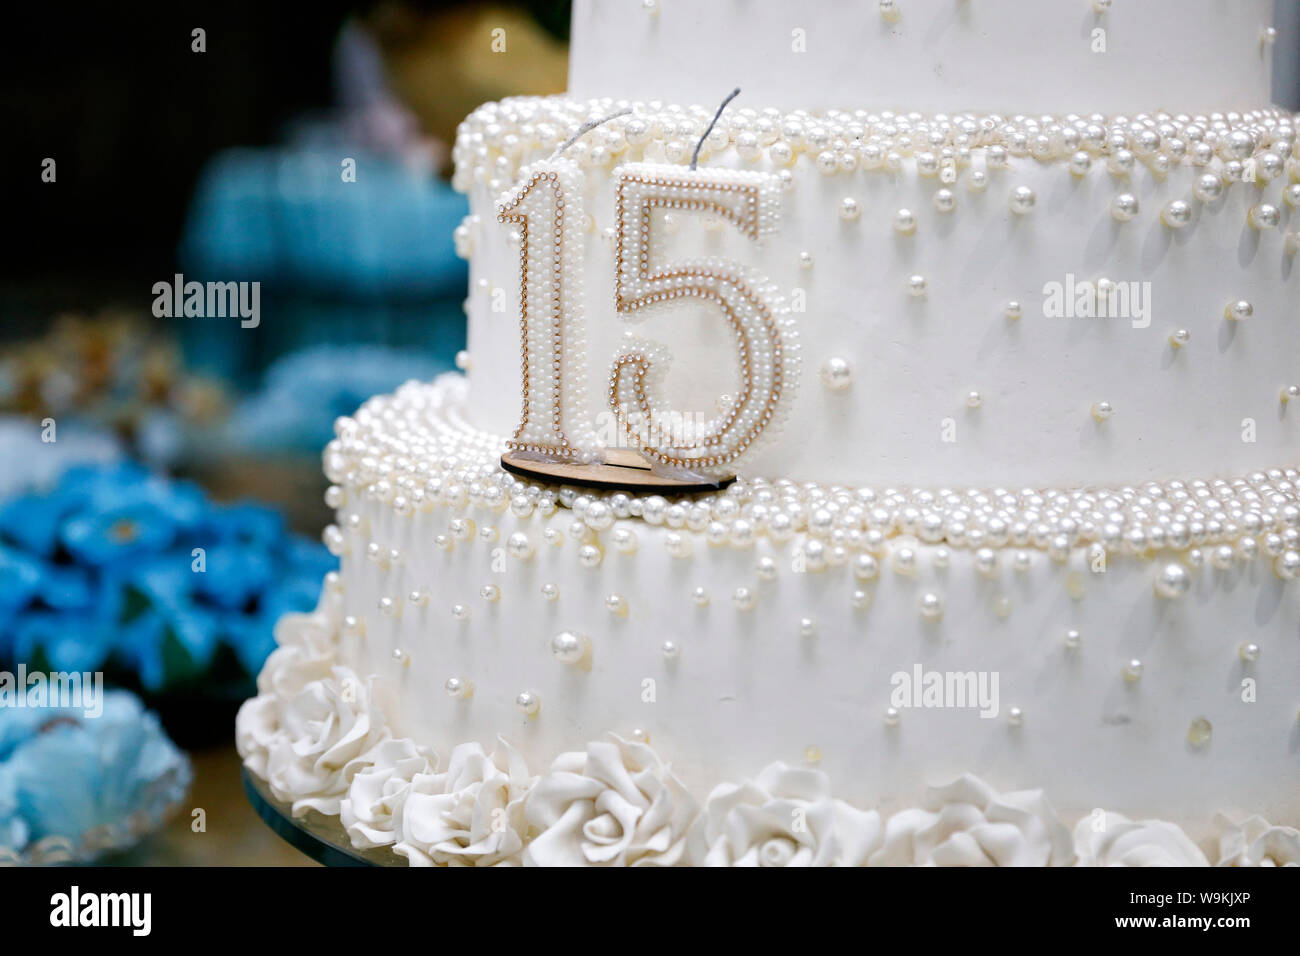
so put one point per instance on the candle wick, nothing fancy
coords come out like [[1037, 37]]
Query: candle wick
[[695, 157], [587, 127]]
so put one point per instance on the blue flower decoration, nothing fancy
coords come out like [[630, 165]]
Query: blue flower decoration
[[116, 567], [73, 779]]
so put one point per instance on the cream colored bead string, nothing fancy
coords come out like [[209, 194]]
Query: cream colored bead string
[[587, 127], [695, 156]]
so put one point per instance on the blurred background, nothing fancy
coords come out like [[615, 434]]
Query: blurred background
[[301, 146]]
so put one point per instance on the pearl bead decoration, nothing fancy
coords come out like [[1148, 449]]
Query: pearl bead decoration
[[1124, 207], [528, 703], [836, 373], [458, 688], [1238, 311], [1265, 216], [1023, 200], [570, 648], [1173, 581], [1177, 214]]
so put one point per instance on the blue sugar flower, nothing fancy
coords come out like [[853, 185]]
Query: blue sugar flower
[[121, 584], [20, 577], [244, 523], [236, 576], [118, 534], [13, 828], [95, 781], [33, 521], [63, 641]]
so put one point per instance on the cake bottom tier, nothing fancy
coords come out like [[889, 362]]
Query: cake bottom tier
[[484, 683]]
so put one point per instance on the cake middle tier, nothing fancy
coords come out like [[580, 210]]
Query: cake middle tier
[[981, 300]]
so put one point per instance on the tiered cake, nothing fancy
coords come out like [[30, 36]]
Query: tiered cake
[[992, 311]]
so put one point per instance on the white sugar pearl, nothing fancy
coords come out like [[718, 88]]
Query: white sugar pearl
[[1133, 670], [458, 688], [460, 612], [1015, 717], [805, 260], [1080, 163], [1265, 216], [1101, 411], [463, 360], [892, 717], [849, 209], [670, 650], [889, 10], [974, 399], [1238, 311], [1248, 652], [617, 605], [1290, 393], [550, 591], [836, 373], [1073, 639], [977, 181], [1176, 214], [807, 628], [865, 567], [1173, 581], [744, 599], [1208, 188], [700, 596], [490, 593], [916, 286], [1013, 310], [569, 648], [931, 606], [905, 222], [1022, 200], [528, 703], [1124, 207], [945, 200], [1179, 338]]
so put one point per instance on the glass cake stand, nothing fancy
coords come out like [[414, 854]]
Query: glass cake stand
[[320, 837]]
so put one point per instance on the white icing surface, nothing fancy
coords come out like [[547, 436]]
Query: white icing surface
[[1208, 408], [941, 55]]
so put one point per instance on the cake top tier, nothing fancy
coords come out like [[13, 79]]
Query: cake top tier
[[1006, 56]]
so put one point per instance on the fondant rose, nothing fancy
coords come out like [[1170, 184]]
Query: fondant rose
[[1255, 842], [377, 792], [615, 804], [784, 817], [968, 823], [309, 744], [1112, 839], [471, 815]]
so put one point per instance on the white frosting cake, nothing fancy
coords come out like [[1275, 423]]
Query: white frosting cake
[[994, 320]]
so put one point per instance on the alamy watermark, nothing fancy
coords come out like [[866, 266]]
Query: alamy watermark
[[945, 689], [210, 300], [63, 690], [1103, 299]]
